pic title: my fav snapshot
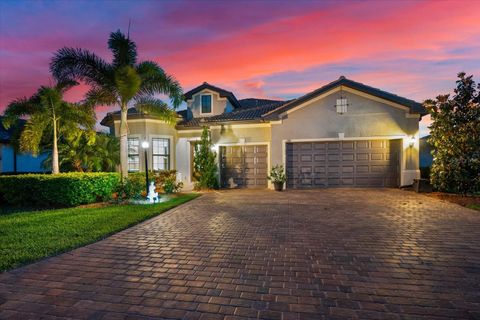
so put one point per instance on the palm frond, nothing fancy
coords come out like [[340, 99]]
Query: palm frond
[[75, 117], [33, 131], [128, 82], [79, 64], [65, 85], [158, 108], [19, 108], [156, 81], [124, 50], [100, 96]]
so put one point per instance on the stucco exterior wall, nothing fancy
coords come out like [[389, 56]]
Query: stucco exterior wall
[[365, 118], [219, 104], [147, 129]]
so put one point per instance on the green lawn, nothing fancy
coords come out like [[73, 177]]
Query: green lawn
[[29, 236]]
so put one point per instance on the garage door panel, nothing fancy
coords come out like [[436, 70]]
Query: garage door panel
[[376, 156], [306, 158], [365, 163], [246, 166]]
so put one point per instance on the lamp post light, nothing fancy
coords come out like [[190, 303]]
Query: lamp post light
[[145, 146]]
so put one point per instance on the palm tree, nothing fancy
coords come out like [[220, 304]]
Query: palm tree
[[49, 118], [122, 82]]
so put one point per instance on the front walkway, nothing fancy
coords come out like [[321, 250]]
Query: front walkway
[[373, 254]]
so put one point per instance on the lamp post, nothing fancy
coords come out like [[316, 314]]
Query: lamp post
[[145, 146]]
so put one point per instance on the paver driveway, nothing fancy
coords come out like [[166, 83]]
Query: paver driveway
[[259, 254]]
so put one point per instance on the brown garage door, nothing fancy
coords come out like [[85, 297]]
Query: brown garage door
[[364, 163], [243, 166]]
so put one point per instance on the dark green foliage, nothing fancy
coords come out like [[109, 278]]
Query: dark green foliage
[[205, 168], [87, 151], [29, 236], [167, 180], [277, 174], [132, 187], [455, 138], [60, 190]]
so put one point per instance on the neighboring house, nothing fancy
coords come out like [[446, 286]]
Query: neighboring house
[[344, 134], [13, 162], [426, 158]]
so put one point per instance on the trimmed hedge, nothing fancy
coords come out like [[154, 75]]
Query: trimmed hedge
[[60, 190]]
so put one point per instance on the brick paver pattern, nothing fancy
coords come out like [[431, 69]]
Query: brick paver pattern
[[240, 254]]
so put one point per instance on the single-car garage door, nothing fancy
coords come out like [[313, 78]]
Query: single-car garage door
[[363, 163], [243, 166]]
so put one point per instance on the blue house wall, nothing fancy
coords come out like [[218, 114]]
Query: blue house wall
[[25, 162]]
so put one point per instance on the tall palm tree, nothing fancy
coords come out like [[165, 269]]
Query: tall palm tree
[[49, 118], [122, 82]]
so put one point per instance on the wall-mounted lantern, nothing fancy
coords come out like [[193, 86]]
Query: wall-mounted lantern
[[411, 143]]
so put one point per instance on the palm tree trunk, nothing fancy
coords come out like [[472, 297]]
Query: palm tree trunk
[[55, 167], [123, 142]]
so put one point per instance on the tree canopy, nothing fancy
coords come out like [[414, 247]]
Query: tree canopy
[[455, 138]]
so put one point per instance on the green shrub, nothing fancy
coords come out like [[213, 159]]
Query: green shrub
[[204, 163], [133, 187], [167, 180], [59, 190]]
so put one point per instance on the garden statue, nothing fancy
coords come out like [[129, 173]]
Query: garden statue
[[152, 195]]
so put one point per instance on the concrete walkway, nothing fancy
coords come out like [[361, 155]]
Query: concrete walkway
[[336, 254]]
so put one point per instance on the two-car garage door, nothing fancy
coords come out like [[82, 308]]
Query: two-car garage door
[[363, 163]]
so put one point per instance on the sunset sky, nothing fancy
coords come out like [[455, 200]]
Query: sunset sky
[[267, 49]]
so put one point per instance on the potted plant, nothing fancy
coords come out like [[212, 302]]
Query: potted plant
[[278, 177]]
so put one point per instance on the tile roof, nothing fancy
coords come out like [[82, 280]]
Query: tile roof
[[254, 102], [242, 114]]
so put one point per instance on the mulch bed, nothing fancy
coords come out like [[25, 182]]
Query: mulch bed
[[455, 198]]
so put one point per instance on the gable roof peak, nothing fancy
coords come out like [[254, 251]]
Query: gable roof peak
[[222, 92], [342, 78]]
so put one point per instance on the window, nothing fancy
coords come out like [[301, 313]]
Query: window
[[161, 153], [133, 154], [342, 105], [206, 103]]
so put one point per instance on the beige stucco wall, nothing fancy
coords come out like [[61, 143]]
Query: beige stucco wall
[[147, 129], [219, 104], [364, 119]]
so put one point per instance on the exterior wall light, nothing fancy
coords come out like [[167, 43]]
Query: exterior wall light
[[412, 142]]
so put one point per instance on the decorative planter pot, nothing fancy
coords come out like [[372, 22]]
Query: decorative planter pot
[[278, 186]]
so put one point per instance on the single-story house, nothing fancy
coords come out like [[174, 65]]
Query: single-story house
[[12, 161], [344, 134]]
